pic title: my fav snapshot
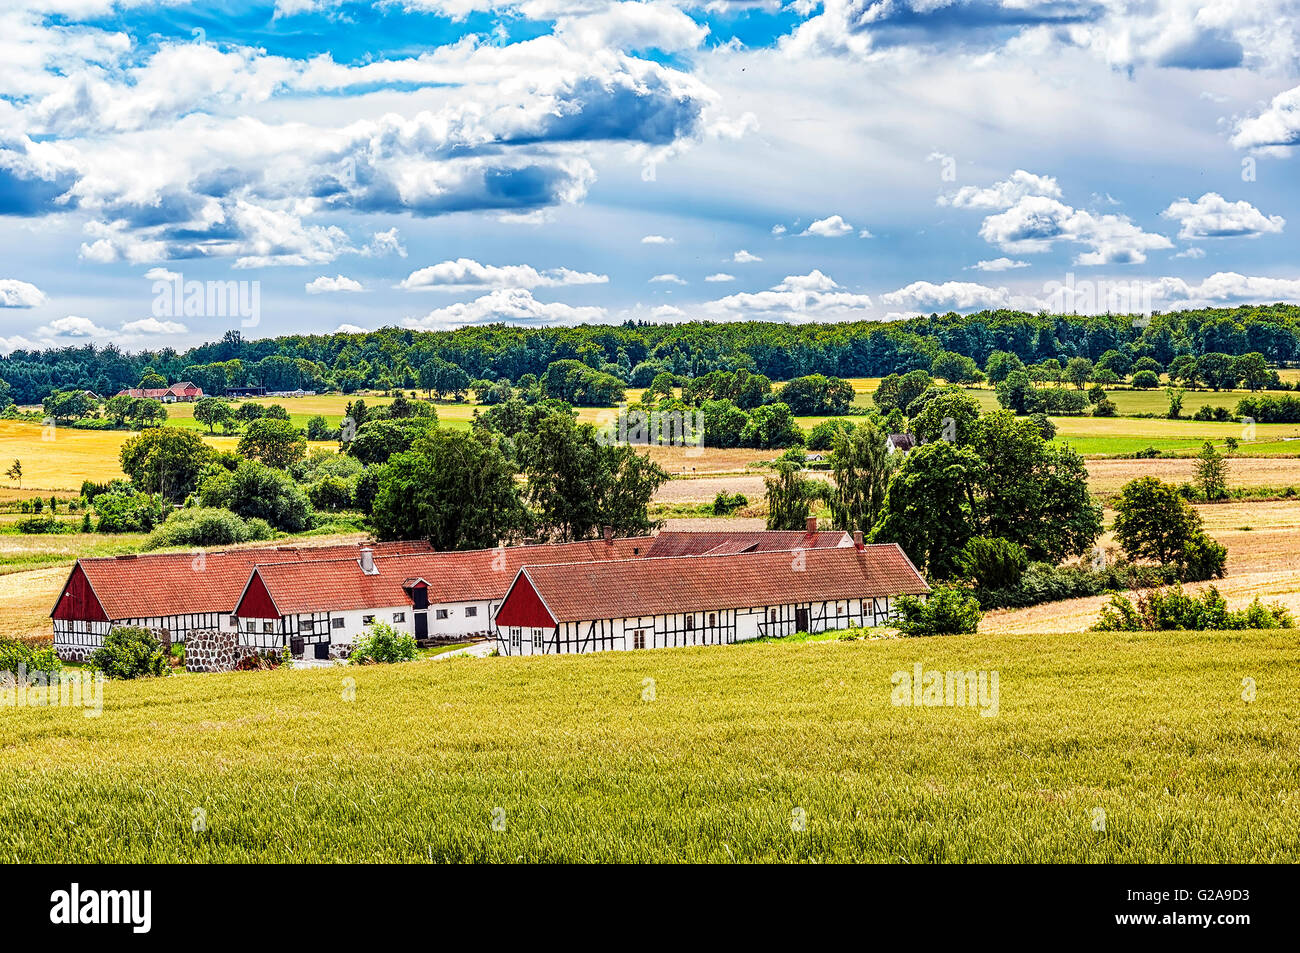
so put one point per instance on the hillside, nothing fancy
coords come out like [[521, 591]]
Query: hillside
[[1151, 729]]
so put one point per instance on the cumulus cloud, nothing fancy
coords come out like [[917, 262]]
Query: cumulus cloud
[[466, 274], [1213, 216], [325, 284], [20, 294], [720, 276], [814, 296], [507, 305], [1004, 194], [152, 326], [384, 243], [668, 279], [1035, 223], [74, 327], [657, 240], [1000, 264], [743, 257], [831, 227], [952, 296], [1275, 128]]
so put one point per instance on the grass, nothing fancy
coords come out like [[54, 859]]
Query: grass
[[575, 766]]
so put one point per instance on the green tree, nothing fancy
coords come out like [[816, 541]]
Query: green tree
[[948, 610], [15, 472], [377, 440], [1152, 521], [1078, 371], [277, 443], [165, 460], [770, 427], [454, 488], [254, 490], [789, 497], [817, 395], [214, 412], [1212, 472], [929, 508], [950, 414], [861, 466], [955, 368], [1175, 396]]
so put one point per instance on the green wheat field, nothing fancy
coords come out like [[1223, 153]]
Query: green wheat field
[[1108, 747]]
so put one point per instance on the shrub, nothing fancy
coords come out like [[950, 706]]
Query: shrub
[[330, 493], [206, 526], [992, 563], [1105, 408], [17, 655], [1146, 379], [724, 504], [126, 511], [129, 652], [949, 610], [1165, 610], [383, 643], [44, 525]]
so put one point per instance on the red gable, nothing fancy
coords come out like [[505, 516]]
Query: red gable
[[524, 607], [78, 600]]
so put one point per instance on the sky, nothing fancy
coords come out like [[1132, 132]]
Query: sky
[[434, 164]]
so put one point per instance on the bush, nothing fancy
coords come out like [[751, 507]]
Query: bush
[[1045, 582], [1105, 408], [1146, 380], [724, 504], [18, 656], [383, 643], [1173, 610], [207, 526], [949, 610], [256, 490], [127, 511], [992, 563], [331, 493], [44, 525], [129, 652]]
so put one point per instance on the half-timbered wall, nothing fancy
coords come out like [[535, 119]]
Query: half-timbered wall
[[715, 627], [74, 639]]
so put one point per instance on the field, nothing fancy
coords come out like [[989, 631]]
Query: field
[[560, 759]]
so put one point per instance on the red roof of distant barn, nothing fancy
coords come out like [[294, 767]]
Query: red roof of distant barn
[[648, 587], [673, 543]]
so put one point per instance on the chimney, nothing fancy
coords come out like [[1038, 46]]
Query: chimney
[[857, 539], [609, 535], [368, 561], [812, 525]]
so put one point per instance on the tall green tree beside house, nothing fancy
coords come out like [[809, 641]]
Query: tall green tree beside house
[[790, 496], [861, 466]]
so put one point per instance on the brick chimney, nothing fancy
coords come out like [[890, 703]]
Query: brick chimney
[[609, 535], [857, 539], [368, 561], [812, 525]]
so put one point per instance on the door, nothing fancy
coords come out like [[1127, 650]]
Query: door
[[801, 620], [295, 646], [422, 625], [322, 650]]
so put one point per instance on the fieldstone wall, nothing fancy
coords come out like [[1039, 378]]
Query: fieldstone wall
[[213, 651]]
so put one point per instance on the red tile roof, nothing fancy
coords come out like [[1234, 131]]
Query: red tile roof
[[671, 543], [646, 587], [477, 575], [164, 584]]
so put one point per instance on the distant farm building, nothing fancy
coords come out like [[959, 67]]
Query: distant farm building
[[183, 391]]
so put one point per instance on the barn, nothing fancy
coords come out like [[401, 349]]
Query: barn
[[700, 600], [318, 607], [175, 593]]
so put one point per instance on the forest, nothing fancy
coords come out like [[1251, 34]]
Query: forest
[[634, 353]]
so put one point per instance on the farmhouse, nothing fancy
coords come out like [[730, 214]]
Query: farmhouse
[[176, 593], [320, 606], [700, 600], [183, 391]]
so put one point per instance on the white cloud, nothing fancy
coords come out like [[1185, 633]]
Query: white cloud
[[73, 326], [668, 279], [657, 240], [152, 326], [384, 243], [831, 227], [1192, 252], [20, 294], [466, 274], [720, 276], [1275, 129], [743, 257], [1003, 194], [1000, 264], [666, 312], [325, 284], [778, 229], [1035, 223], [1213, 216], [814, 296], [952, 296], [351, 329], [508, 305]]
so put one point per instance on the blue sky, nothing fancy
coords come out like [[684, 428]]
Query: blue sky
[[438, 163]]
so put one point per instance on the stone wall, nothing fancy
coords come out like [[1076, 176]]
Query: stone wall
[[214, 651]]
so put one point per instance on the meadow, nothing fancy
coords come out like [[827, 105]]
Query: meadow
[[558, 759]]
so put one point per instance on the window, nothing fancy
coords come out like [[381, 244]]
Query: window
[[268, 627], [440, 613], [515, 635], [638, 639], [539, 637], [250, 626], [367, 619], [234, 621], [337, 623], [471, 611], [399, 616], [304, 625], [713, 619], [690, 623], [771, 616]]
